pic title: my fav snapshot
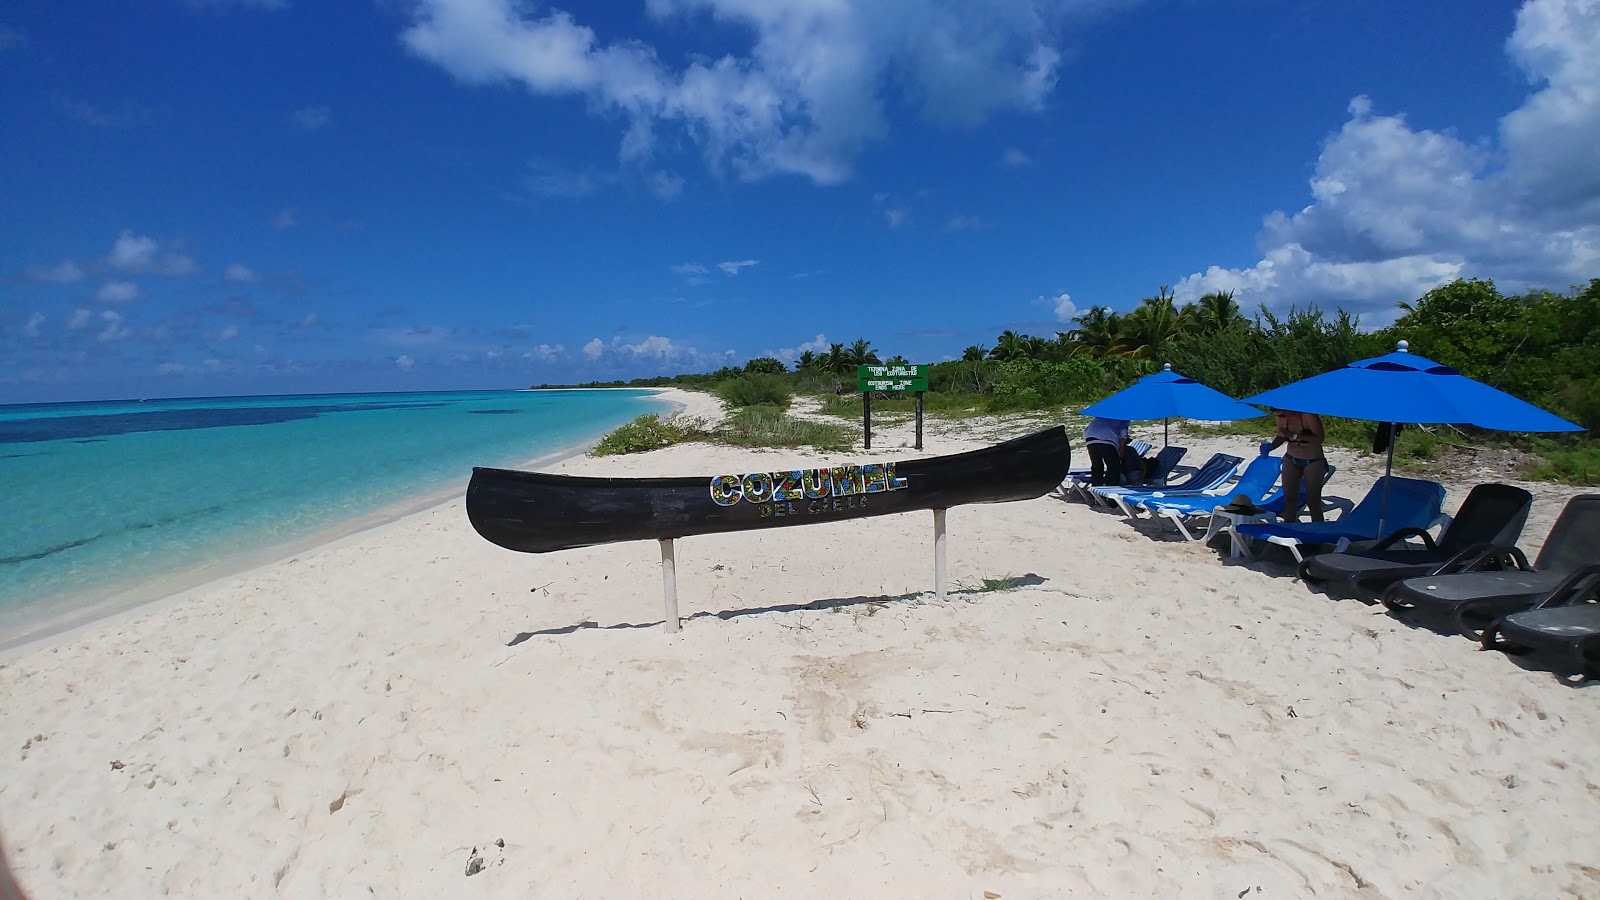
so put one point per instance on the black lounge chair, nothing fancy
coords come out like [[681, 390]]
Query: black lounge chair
[[1476, 594], [1491, 516], [1567, 620]]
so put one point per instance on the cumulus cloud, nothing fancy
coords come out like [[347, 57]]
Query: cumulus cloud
[[228, 333], [687, 269], [1397, 211], [62, 273], [546, 353], [404, 363], [117, 292], [112, 328], [804, 97], [313, 118], [79, 320], [240, 273], [622, 351], [1065, 309], [594, 349], [139, 253], [790, 354], [30, 329], [732, 267]]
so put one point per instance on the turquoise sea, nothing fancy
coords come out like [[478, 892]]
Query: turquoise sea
[[99, 499]]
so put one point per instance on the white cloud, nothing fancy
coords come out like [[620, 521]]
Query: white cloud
[[687, 269], [114, 330], [790, 354], [228, 333], [79, 320], [803, 98], [732, 267], [241, 273], [309, 320], [546, 352], [1015, 158], [665, 185], [594, 349], [117, 292], [1397, 211], [138, 253], [1063, 306], [622, 351], [896, 216], [404, 363], [30, 330], [65, 272], [285, 219], [313, 118]]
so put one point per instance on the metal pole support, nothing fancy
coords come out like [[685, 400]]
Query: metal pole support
[[669, 584], [939, 555]]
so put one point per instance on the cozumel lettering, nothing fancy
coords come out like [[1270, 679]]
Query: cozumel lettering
[[807, 484]]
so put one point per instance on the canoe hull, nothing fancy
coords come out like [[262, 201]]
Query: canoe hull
[[534, 512]]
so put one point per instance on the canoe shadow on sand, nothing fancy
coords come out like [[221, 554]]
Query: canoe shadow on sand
[[824, 605]]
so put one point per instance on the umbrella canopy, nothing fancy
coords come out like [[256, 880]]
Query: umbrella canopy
[[1168, 395], [1403, 387]]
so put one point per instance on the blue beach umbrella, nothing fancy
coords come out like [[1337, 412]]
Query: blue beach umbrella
[[1401, 387], [1168, 395]]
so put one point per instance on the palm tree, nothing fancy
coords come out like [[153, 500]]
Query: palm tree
[[1098, 329], [1149, 330], [1217, 312], [898, 360], [975, 353], [1008, 346], [807, 360], [862, 354], [838, 360]]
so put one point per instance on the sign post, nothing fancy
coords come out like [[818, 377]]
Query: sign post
[[897, 379]]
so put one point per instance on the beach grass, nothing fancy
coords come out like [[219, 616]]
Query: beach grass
[[765, 426]]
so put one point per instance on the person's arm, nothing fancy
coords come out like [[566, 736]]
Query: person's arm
[[1278, 438]]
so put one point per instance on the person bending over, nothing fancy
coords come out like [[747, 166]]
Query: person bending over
[[1303, 462], [1104, 439]]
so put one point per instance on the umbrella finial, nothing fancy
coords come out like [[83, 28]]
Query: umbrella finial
[[1403, 347], [1166, 367]]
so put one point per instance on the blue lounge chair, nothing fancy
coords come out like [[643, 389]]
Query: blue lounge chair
[[1218, 470], [1224, 520], [1255, 483], [1082, 474], [1412, 503]]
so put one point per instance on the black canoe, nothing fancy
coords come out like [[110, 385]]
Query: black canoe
[[536, 513]]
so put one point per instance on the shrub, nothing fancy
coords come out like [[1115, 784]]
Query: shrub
[[770, 426], [756, 390], [649, 432], [1036, 384]]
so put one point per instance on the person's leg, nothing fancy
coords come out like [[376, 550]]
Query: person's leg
[[1314, 475], [1291, 489], [1097, 464]]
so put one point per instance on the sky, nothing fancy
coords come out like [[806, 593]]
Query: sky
[[223, 197]]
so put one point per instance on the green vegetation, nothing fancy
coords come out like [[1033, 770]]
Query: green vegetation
[[649, 432], [769, 426], [1541, 346], [761, 389]]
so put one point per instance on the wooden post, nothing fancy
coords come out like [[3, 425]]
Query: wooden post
[[669, 584], [919, 420], [866, 420], [939, 571]]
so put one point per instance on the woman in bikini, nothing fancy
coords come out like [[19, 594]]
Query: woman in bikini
[[1302, 461]]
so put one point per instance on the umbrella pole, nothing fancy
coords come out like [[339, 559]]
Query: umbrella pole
[[1388, 469], [1164, 440]]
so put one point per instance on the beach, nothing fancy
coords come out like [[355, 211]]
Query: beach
[[413, 711]]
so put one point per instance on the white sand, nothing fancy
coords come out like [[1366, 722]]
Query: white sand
[[1141, 719]]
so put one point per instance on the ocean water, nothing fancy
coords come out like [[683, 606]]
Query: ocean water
[[97, 499]]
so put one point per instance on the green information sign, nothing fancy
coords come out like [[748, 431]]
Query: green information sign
[[891, 378]]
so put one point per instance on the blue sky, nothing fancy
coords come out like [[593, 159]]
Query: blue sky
[[271, 196]]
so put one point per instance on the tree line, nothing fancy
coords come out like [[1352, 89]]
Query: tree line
[[1542, 346]]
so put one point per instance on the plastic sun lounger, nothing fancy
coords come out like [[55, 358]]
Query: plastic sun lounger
[[1217, 469], [1256, 483], [1219, 472], [1500, 580], [1411, 503], [1269, 509], [1082, 474], [1566, 620], [1492, 516]]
